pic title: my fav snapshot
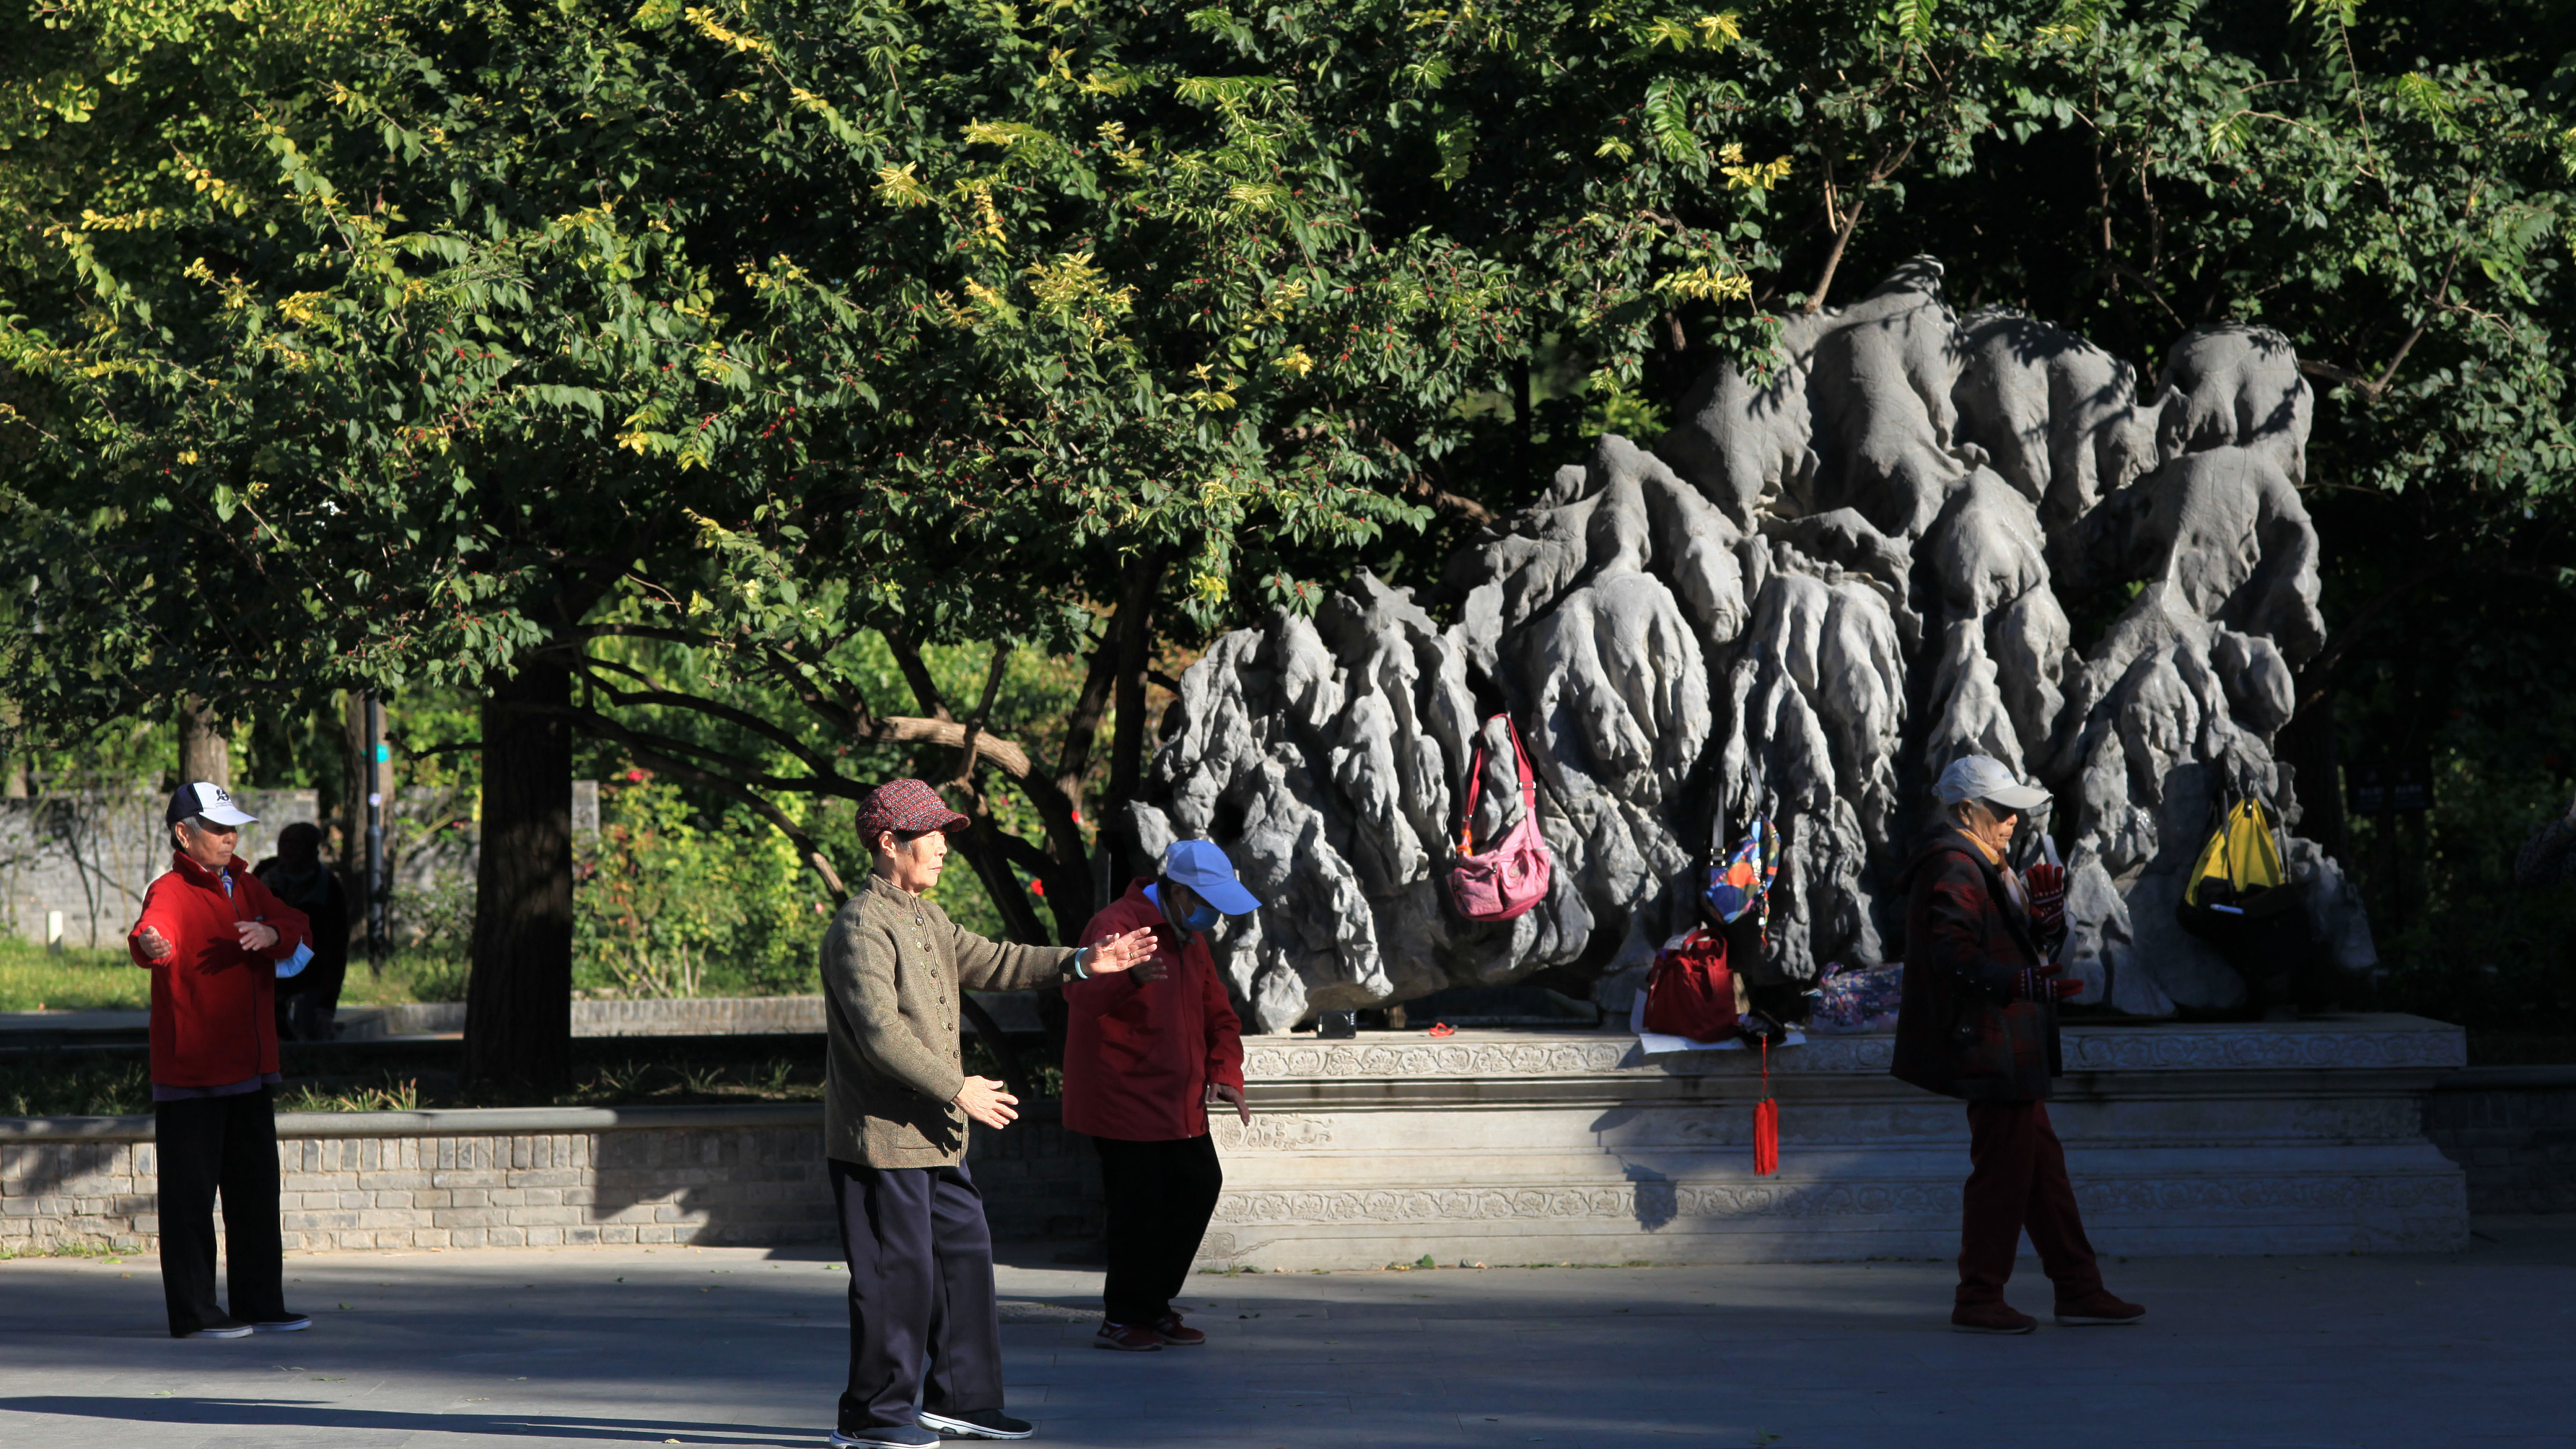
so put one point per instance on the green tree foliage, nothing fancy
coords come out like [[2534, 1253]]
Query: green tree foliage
[[721, 355], [667, 908]]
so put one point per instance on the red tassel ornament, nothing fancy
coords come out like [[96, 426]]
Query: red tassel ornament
[[1766, 1123]]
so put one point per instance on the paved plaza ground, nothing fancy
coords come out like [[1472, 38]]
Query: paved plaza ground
[[722, 1347]]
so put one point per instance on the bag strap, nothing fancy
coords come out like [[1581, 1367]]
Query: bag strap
[[1476, 782], [1529, 778], [1475, 788]]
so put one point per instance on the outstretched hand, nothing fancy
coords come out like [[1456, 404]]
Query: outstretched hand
[[1221, 1090], [1131, 951], [2047, 886], [154, 945]]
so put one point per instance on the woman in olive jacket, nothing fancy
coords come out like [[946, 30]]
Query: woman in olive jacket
[[1978, 1021]]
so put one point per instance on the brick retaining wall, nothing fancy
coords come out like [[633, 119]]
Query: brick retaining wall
[[524, 1177]]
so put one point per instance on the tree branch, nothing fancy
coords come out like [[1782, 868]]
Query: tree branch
[[915, 672], [713, 709], [601, 725], [983, 711], [1886, 167]]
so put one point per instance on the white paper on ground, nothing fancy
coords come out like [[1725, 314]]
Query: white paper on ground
[[1653, 1042]]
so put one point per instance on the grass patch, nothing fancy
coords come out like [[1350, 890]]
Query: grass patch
[[411, 975], [80, 979], [59, 1084]]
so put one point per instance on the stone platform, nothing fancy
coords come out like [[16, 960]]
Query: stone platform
[[1510, 1147]]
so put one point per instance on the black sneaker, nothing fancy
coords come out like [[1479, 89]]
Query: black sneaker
[[290, 1323], [981, 1424], [220, 1328], [896, 1436]]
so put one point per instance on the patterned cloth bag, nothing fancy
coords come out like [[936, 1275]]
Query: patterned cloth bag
[[1742, 881], [1858, 998], [1504, 882]]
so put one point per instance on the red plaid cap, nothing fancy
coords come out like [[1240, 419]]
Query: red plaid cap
[[903, 806]]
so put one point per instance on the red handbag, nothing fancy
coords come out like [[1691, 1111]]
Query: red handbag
[[1689, 991], [1504, 882]]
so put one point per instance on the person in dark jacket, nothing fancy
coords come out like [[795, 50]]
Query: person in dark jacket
[[1144, 1059], [299, 876], [1978, 1021], [216, 941]]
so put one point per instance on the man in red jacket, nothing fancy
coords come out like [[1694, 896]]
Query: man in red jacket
[[1143, 1061], [216, 941]]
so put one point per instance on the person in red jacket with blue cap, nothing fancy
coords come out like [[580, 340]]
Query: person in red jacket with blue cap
[[1143, 1061], [215, 941]]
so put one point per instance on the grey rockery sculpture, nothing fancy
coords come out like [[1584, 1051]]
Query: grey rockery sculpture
[[1804, 600]]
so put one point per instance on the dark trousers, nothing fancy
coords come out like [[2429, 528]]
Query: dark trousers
[[925, 1332], [2017, 1182], [308, 1000], [1160, 1196], [204, 1145]]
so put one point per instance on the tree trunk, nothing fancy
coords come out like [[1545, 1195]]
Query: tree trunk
[[1135, 641], [518, 1003], [203, 753], [353, 787], [1002, 886], [13, 767]]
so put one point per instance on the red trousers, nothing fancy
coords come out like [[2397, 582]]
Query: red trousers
[[2017, 1182]]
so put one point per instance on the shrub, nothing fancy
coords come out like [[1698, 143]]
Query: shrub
[[666, 905]]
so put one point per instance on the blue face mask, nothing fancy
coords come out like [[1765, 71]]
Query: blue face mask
[[1202, 919]]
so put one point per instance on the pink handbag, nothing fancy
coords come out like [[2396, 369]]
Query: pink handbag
[[1507, 880]]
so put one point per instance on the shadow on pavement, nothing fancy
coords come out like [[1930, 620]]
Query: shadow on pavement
[[285, 1414]]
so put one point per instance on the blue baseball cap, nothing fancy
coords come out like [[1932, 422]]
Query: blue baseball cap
[[1202, 867]]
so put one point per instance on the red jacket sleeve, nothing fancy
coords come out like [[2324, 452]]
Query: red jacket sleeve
[[1224, 1029], [292, 928], [159, 914]]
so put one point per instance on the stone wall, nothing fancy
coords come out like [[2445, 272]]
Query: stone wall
[[2302, 1137], [1013, 1011], [2513, 1131], [90, 856], [1509, 1147], [523, 1177]]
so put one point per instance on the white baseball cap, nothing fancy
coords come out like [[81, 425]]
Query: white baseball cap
[[210, 803], [1983, 777]]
